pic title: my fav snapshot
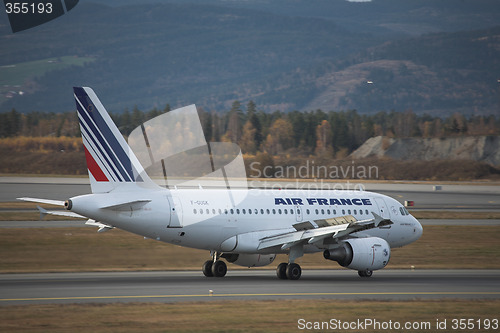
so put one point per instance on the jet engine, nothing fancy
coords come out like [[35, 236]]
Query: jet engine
[[249, 260], [362, 254]]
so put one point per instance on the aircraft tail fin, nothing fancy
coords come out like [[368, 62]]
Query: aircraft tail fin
[[110, 161]]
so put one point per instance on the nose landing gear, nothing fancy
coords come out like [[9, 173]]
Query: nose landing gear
[[365, 274]]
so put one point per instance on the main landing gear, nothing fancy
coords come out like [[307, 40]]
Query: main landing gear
[[286, 271], [214, 267]]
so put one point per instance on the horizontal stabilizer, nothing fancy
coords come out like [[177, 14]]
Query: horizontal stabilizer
[[44, 212], [131, 204], [102, 227], [44, 201]]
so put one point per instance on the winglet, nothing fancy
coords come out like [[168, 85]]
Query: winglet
[[377, 219]]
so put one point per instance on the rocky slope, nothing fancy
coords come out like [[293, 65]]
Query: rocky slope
[[476, 148]]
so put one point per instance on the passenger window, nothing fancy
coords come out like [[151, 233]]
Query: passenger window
[[250, 211], [323, 212], [274, 211], [349, 211], [343, 211], [334, 212], [317, 212], [355, 212], [220, 212], [232, 211], [267, 211], [285, 211], [244, 211], [237, 211], [366, 211], [201, 211], [279, 211], [308, 211], [328, 211], [262, 211], [194, 210]]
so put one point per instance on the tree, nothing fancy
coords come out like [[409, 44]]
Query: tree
[[251, 108], [324, 139], [254, 120], [279, 137], [10, 123], [247, 142]]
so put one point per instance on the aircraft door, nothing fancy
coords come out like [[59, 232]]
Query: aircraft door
[[298, 213], [382, 208], [175, 212]]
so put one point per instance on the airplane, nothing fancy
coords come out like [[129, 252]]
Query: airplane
[[357, 229]]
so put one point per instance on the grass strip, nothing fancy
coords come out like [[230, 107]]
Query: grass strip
[[245, 316], [82, 249]]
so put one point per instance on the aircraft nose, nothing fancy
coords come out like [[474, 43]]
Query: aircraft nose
[[419, 230]]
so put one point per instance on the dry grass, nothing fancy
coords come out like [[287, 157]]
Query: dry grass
[[42, 144], [82, 249], [65, 156], [455, 215], [235, 316]]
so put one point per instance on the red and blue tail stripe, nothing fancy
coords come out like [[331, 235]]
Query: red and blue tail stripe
[[109, 158]]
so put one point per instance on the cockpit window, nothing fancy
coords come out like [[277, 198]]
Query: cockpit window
[[403, 211]]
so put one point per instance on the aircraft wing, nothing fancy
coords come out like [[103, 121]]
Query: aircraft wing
[[335, 227]]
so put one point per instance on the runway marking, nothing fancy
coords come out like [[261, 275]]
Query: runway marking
[[417, 293]]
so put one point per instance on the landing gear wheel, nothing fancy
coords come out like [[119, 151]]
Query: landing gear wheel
[[219, 268], [293, 272], [207, 268], [281, 271], [367, 273]]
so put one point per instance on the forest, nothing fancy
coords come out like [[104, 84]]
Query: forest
[[328, 134]]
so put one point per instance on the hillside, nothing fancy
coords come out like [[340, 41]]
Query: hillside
[[471, 148], [284, 55], [150, 55]]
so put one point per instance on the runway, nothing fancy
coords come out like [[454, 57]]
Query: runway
[[179, 286], [473, 197]]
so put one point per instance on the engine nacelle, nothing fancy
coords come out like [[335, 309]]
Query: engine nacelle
[[249, 260], [361, 254]]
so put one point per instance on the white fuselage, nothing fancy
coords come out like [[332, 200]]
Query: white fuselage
[[206, 218]]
